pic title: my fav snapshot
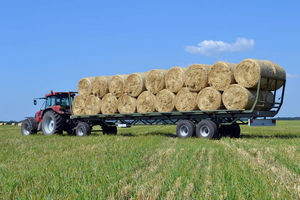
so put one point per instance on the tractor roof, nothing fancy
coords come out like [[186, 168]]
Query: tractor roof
[[60, 94]]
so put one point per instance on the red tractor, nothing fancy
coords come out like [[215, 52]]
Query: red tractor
[[54, 116]]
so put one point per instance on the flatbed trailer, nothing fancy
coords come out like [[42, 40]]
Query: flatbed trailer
[[208, 124]]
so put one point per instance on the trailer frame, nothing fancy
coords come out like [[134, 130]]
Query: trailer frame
[[219, 117]]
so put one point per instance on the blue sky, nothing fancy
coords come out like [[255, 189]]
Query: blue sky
[[48, 45]]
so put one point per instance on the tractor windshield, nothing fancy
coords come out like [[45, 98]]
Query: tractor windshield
[[58, 101]]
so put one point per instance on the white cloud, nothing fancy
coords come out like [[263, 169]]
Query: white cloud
[[292, 75], [212, 47]]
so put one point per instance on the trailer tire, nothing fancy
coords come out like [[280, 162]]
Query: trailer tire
[[82, 129], [185, 129], [52, 123], [110, 130], [207, 129], [29, 126], [235, 130]]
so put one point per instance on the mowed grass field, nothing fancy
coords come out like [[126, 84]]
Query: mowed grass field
[[149, 162]]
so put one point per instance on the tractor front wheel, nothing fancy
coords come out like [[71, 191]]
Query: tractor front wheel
[[52, 123], [29, 126]]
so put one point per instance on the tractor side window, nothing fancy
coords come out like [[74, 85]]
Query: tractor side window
[[65, 101], [48, 102], [53, 101]]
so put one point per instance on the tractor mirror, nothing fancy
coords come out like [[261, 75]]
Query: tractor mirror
[[34, 102]]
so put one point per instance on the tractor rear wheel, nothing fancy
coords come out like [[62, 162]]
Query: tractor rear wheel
[[52, 123], [29, 126]]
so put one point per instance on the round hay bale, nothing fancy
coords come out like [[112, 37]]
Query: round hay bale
[[247, 72], [92, 105], [165, 101], [209, 99], [109, 104], [269, 101], [146, 102], [174, 79], [281, 74], [85, 85], [135, 84], [126, 104], [155, 80], [100, 86], [196, 77], [186, 100], [221, 76], [78, 105], [238, 97], [116, 85]]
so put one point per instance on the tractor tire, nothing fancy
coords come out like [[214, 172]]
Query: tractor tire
[[29, 126], [110, 130], [207, 129], [185, 129], [82, 129], [52, 123]]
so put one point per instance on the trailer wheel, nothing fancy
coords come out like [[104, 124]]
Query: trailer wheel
[[185, 129], [235, 130], [52, 123], [225, 130], [207, 129], [83, 129], [110, 130], [29, 126]]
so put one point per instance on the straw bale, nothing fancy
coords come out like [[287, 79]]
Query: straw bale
[[85, 85], [109, 104], [281, 74], [165, 101], [155, 80], [100, 86], [78, 106], [92, 105], [269, 99], [126, 104], [196, 77], [238, 97], [247, 72], [174, 79], [146, 102], [209, 99], [186, 100], [135, 84], [221, 76], [116, 85]]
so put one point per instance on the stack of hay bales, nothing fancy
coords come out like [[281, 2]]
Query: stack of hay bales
[[199, 87]]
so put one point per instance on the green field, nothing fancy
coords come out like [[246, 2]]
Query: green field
[[149, 162]]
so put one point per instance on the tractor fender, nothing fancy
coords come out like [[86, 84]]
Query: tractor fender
[[54, 108]]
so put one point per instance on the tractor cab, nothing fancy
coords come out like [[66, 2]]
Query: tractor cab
[[59, 102]]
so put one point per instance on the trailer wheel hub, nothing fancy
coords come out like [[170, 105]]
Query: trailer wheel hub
[[204, 131], [80, 132], [184, 131]]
